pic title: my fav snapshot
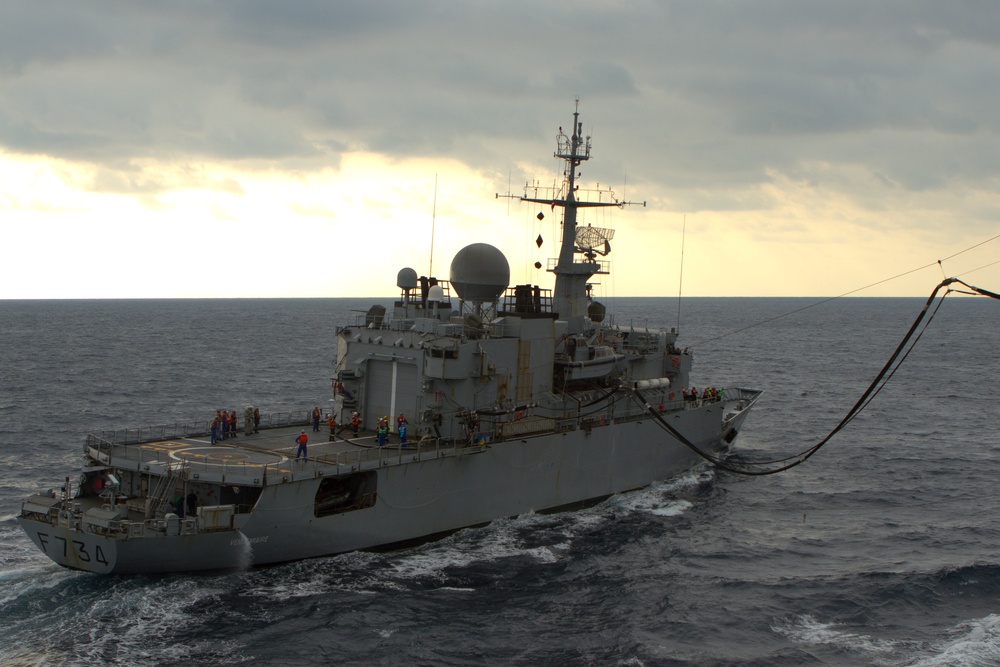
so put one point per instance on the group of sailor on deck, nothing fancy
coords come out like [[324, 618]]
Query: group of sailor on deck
[[382, 430]]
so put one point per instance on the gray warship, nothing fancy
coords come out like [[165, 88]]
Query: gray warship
[[515, 399]]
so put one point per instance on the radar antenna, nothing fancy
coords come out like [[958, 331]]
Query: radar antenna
[[592, 241]]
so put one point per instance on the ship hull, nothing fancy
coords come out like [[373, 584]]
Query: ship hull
[[415, 500], [436, 496], [82, 550]]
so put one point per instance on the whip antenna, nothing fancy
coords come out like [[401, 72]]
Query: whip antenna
[[680, 281], [434, 209]]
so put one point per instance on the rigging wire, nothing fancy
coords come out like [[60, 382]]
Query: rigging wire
[[985, 266], [853, 291], [962, 252], [888, 370]]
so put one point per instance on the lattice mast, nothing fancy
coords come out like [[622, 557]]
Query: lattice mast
[[573, 273]]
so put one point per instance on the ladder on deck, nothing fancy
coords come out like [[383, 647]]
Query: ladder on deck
[[165, 485]]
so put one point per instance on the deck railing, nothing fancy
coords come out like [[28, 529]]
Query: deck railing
[[160, 462], [112, 447], [142, 434]]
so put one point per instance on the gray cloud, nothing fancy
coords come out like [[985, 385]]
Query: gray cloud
[[694, 97]]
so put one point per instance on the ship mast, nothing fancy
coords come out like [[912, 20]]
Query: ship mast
[[571, 298]]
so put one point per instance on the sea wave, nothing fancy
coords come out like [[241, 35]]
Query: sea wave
[[879, 551], [974, 643], [806, 629]]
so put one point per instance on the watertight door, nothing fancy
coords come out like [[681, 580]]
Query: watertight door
[[390, 388]]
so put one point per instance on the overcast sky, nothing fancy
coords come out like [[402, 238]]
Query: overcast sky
[[270, 148]]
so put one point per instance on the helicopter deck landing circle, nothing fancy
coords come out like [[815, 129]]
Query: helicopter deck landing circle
[[226, 456]]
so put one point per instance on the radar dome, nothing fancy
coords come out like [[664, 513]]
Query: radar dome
[[479, 273], [406, 278]]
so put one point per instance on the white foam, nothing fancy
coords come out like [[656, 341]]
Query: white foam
[[807, 630], [30, 574], [501, 539], [658, 499], [30, 580], [494, 542], [131, 621], [350, 572], [246, 552], [155, 617], [974, 644], [672, 509], [582, 521], [632, 662]]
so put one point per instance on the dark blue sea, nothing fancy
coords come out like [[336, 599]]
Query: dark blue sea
[[882, 549]]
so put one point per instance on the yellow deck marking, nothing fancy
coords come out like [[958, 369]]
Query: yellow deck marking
[[165, 446]]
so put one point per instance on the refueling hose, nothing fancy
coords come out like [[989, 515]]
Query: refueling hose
[[883, 377]]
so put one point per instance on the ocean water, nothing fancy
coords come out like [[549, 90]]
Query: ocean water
[[883, 549]]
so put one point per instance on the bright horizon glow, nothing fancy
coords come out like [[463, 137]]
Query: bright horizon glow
[[221, 232]]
